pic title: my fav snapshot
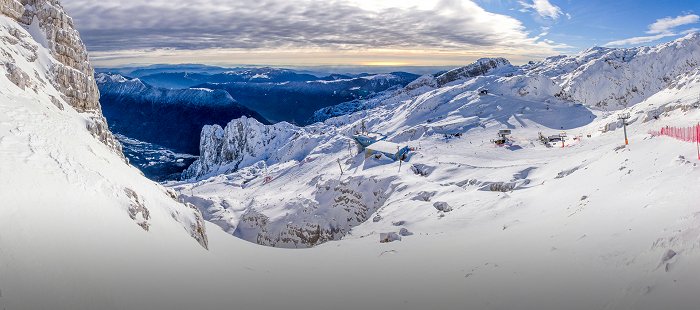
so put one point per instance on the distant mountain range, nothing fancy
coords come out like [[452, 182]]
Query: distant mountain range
[[277, 94], [151, 118], [295, 101], [172, 118]]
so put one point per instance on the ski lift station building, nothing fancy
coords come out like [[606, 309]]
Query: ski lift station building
[[389, 149], [367, 139]]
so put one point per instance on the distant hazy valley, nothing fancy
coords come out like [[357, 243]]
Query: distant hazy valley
[[158, 111]]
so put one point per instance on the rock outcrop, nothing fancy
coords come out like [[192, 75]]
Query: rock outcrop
[[12, 8], [480, 67], [72, 74], [246, 141]]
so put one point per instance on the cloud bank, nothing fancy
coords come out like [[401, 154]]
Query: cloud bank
[[343, 26], [662, 28]]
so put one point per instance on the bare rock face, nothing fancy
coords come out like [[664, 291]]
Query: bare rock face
[[244, 142], [480, 67], [18, 76], [72, 75], [12, 8]]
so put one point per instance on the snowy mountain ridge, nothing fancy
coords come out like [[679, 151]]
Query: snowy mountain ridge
[[616, 78], [528, 98], [118, 85], [621, 220], [592, 224]]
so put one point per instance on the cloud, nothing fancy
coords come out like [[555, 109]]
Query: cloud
[[279, 25], [661, 28], [665, 25], [544, 8], [639, 40]]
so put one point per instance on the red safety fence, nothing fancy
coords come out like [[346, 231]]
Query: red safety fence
[[687, 134]]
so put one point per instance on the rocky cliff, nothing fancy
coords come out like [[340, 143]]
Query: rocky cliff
[[246, 141], [71, 73], [480, 67]]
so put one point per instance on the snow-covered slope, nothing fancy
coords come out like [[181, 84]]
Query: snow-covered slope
[[76, 222], [616, 78], [618, 223], [593, 225]]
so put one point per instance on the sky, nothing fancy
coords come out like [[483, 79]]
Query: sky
[[368, 32]]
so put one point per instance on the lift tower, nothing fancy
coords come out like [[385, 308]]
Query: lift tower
[[624, 117]]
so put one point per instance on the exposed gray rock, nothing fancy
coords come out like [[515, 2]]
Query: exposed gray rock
[[404, 232], [57, 103], [442, 206], [17, 76], [389, 237], [424, 196], [97, 126], [72, 75], [422, 170], [246, 141], [137, 210], [12, 8], [480, 67], [198, 228]]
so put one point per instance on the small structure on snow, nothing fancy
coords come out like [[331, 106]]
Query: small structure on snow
[[366, 139], [483, 92], [389, 149], [502, 136]]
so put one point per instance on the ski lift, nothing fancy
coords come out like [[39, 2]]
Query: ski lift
[[502, 137]]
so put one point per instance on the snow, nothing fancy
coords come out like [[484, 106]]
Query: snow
[[203, 89], [260, 76], [593, 225], [385, 147], [586, 226]]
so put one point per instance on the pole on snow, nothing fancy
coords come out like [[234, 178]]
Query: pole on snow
[[562, 136], [341, 167], [624, 117]]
